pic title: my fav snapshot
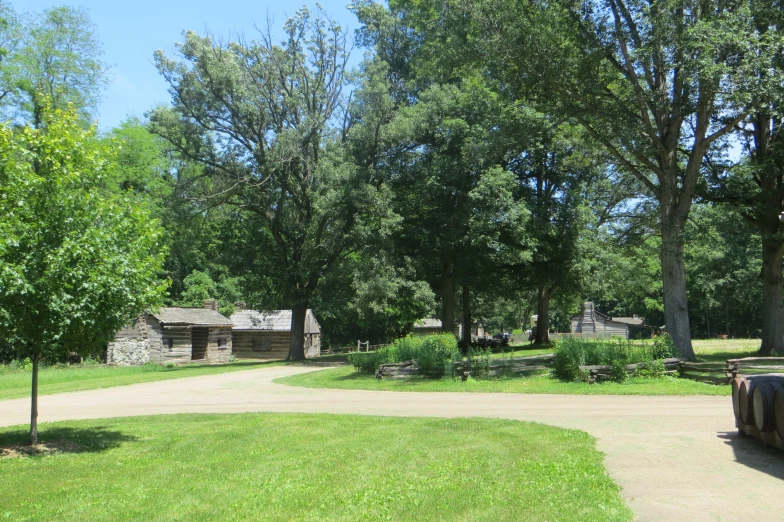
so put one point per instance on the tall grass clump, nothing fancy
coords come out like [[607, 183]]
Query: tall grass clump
[[433, 354], [572, 353], [436, 354]]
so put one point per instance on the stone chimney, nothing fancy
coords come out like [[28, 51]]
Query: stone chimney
[[210, 304], [239, 306]]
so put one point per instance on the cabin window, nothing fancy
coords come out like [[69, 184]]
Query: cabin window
[[222, 343], [262, 345], [169, 343]]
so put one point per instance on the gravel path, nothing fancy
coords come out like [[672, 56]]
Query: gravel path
[[676, 458]]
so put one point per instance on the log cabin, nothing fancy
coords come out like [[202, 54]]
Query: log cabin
[[174, 335], [426, 327], [591, 323], [267, 334]]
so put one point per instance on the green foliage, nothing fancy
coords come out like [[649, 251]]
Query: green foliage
[[199, 286], [478, 360], [433, 354], [270, 121], [345, 378], [51, 58], [369, 362], [436, 355], [76, 263], [571, 353]]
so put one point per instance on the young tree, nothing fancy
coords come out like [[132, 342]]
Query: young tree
[[267, 123], [76, 262]]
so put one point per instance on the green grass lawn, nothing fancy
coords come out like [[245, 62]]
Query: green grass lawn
[[513, 351], [719, 350], [16, 383], [707, 350], [346, 378], [309, 468]]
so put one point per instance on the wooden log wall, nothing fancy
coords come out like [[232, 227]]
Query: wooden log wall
[[463, 368], [219, 345], [260, 344], [723, 373], [603, 372]]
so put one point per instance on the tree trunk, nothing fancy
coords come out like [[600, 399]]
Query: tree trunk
[[448, 299], [466, 318], [727, 313], [707, 323], [676, 310], [297, 341], [772, 298], [34, 404], [543, 319]]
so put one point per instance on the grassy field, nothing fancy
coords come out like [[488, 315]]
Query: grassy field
[[707, 350], [309, 467], [16, 383], [346, 378], [722, 349]]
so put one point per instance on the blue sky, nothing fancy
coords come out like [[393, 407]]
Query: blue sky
[[131, 31]]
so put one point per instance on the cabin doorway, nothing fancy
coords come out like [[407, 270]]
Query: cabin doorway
[[199, 337]]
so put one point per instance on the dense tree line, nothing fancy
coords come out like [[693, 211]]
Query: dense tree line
[[488, 161]]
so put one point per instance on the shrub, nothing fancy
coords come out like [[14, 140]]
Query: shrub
[[572, 353], [436, 355], [370, 361], [664, 347], [432, 353]]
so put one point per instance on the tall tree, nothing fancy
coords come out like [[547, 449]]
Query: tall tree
[[657, 85], [553, 170], [76, 262], [267, 122], [56, 60], [755, 183]]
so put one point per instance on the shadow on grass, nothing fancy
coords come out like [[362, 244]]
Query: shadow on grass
[[723, 356], [755, 454], [65, 440]]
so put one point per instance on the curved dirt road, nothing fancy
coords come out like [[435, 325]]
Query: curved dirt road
[[676, 458]]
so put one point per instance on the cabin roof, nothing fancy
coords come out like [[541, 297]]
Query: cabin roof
[[191, 316], [428, 323], [631, 321], [270, 320]]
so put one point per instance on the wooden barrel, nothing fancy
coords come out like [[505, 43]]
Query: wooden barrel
[[735, 400], [762, 400], [746, 394], [778, 411]]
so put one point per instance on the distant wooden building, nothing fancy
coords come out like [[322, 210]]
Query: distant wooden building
[[591, 323], [637, 327], [426, 327], [174, 335], [267, 334]]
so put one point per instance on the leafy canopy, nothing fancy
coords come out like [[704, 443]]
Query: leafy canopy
[[76, 262]]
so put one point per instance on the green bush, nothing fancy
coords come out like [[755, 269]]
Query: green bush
[[432, 353], [368, 362], [572, 353], [436, 355]]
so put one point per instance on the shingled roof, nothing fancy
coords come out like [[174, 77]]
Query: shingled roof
[[270, 320], [191, 316], [428, 323]]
